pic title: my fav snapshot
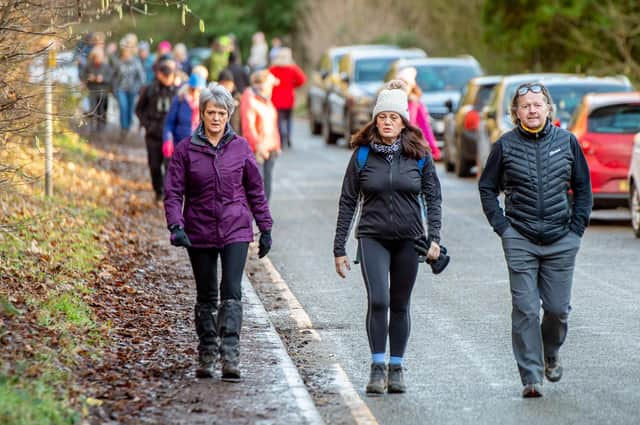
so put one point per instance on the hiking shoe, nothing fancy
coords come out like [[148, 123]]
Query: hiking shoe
[[377, 379], [532, 391], [553, 368], [396, 380], [230, 371], [206, 364]]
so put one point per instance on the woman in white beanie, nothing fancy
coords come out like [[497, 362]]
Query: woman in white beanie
[[389, 171], [418, 113]]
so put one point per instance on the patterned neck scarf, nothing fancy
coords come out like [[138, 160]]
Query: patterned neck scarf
[[387, 150]]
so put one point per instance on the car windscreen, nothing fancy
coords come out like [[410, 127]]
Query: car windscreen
[[567, 97], [435, 78], [482, 97], [371, 69], [620, 119]]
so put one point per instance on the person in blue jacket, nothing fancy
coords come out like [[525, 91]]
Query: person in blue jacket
[[183, 116]]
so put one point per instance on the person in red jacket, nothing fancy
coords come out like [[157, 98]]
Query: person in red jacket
[[283, 97]]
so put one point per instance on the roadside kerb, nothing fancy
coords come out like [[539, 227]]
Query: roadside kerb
[[358, 408]]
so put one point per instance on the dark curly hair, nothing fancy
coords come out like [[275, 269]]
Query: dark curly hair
[[413, 143]]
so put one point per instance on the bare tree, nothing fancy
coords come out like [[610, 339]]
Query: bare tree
[[334, 22]]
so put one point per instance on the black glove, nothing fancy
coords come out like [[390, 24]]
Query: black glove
[[422, 245], [264, 244], [179, 237]]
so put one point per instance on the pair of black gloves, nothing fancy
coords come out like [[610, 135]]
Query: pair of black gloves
[[422, 245], [180, 238]]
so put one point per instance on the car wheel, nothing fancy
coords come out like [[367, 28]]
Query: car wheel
[[448, 163], [635, 209], [330, 138], [315, 127], [462, 167], [348, 131]]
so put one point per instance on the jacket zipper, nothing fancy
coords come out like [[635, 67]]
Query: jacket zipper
[[391, 194], [540, 189]]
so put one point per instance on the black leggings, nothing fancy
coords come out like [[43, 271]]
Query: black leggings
[[389, 269], [204, 262]]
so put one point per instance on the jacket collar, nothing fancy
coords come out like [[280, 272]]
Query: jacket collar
[[546, 130], [199, 138]]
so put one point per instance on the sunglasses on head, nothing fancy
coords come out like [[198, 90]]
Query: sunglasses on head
[[533, 88]]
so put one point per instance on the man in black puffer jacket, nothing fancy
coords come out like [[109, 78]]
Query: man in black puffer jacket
[[536, 165], [151, 109]]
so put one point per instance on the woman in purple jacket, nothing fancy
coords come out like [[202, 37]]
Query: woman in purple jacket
[[215, 175]]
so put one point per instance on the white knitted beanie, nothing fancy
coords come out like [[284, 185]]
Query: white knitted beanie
[[393, 98]]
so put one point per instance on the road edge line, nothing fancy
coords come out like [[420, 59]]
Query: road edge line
[[358, 408], [294, 380]]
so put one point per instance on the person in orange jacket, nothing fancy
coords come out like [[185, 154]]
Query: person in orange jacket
[[291, 77], [260, 123]]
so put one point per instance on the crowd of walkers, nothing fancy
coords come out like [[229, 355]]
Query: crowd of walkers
[[162, 89]]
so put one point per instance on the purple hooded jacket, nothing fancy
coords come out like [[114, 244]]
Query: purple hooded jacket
[[221, 188]]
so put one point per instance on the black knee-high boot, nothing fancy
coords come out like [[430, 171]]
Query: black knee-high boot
[[206, 328], [230, 322]]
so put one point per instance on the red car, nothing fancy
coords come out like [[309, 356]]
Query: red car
[[605, 124]]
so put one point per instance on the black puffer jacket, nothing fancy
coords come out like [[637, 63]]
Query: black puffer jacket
[[535, 171], [390, 194], [153, 105]]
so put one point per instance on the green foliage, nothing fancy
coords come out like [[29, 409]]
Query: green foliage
[[74, 148], [62, 309], [564, 35], [7, 308], [32, 403], [273, 17]]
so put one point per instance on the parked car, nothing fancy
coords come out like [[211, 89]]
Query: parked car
[[462, 126], [324, 76], [634, 186], [441, 81], [566, 91], [351, 99], [605, 125]]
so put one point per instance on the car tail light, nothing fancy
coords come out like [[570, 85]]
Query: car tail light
[[587, 147], [472, 120], [556, 123]]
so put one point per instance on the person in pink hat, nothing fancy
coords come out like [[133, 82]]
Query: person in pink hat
[[418, 113]]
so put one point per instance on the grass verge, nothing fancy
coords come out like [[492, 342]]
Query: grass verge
[[48, 250]]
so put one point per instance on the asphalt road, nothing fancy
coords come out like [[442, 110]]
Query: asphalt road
[[460, 368]]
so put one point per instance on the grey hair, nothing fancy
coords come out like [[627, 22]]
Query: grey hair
[[217, 95], [513, 109]]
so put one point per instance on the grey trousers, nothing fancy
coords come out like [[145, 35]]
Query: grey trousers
[[538, 273]]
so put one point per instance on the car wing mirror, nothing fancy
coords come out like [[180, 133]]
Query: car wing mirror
[[344, 77], [449, 105], [324, 74]]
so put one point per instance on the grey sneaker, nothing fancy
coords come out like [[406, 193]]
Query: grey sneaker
[[206, 364], [396, 380], [553, 368], [377, 379], [532, 391]]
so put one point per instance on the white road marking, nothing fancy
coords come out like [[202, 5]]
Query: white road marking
[[359, 409]]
